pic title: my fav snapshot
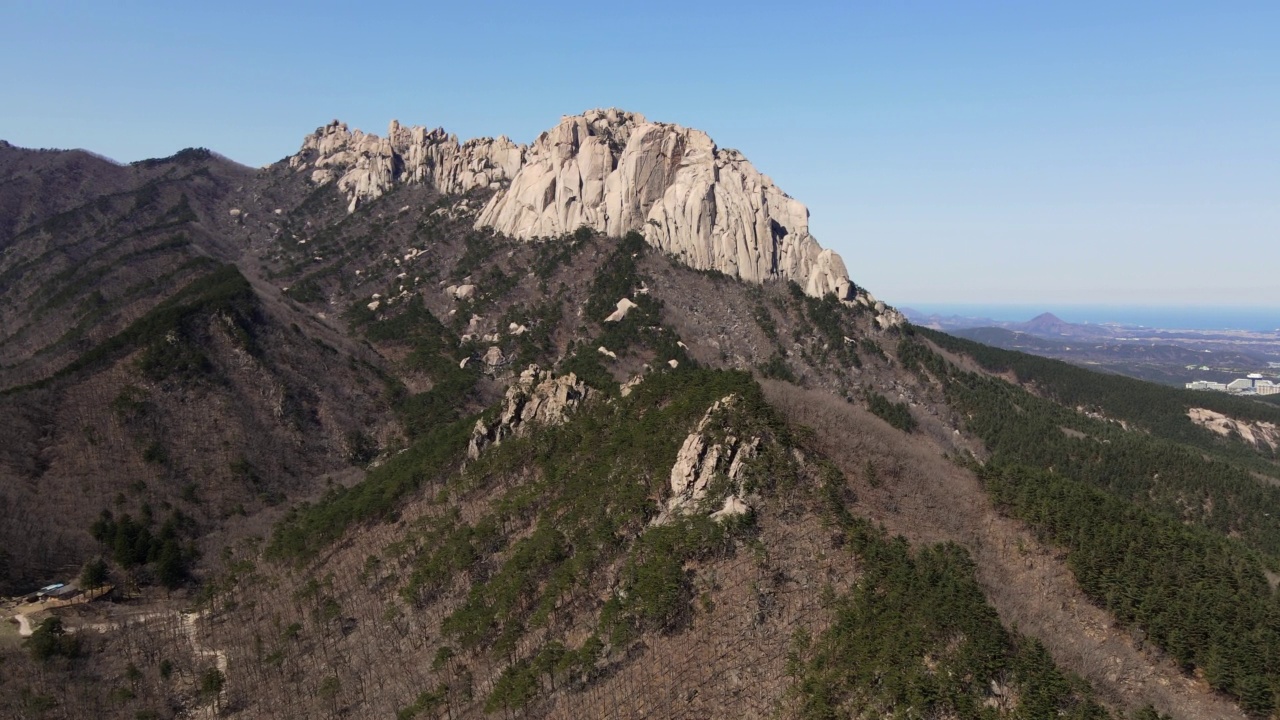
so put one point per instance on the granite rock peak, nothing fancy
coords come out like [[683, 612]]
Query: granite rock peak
[[610, 170]]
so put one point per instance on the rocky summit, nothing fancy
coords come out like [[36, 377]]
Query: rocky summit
[[610, 170]]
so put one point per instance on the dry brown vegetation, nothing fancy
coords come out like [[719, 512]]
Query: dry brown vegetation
[[918, 493], [728, 660], [333, 636]]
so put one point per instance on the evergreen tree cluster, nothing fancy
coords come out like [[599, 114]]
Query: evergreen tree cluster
[[433, 352], [310, 527], [641, 331], [572, 500], [1199, 596], [1172, 540], [896, 414], [133, 544], [915, 637], [50, 640]]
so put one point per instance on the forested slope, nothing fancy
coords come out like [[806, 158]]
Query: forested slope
[[1175, 543], [384, 463], [1154, 408]]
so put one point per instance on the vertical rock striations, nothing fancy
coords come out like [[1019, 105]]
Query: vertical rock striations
[[702, 461], [610, 170], [366, 166], [617, 172]]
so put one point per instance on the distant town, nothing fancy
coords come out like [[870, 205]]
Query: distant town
[[1252, 384]]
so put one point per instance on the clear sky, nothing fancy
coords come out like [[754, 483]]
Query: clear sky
[[976, 152]]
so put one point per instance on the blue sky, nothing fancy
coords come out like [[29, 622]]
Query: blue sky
[[951, 152]]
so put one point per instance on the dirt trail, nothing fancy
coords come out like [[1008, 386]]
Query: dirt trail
[[188, 621], [24, 625], [926, 498]]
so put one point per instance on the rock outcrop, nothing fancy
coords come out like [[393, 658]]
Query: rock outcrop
[[616, 172], [610, 170], [701, 461], [461, 292], [624, 306], [885, 316], [1262, 435], [537, 397], [493, 357], [365, 166]]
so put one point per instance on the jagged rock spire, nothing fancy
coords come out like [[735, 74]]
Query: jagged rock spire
[[610, 170]]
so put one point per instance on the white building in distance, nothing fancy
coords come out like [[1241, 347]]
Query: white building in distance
[[1253, 384]]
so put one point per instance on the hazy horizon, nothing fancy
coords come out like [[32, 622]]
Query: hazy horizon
[[1171, 317]]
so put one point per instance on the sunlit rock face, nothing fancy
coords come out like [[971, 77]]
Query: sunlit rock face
[[609, 170], [537, 398], [616, 172], [365, 166]]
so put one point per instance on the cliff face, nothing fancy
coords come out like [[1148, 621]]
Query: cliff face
[[366, 166], [610, 170]]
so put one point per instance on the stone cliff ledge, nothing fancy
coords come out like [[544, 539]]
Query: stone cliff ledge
[[610, 170]]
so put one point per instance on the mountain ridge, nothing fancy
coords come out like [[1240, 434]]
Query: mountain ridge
[[610, 170]]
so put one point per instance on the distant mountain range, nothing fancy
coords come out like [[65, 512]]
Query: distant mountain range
[[1044, 324]]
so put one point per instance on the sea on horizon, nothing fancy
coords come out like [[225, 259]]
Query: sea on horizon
[[1258, 319]]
